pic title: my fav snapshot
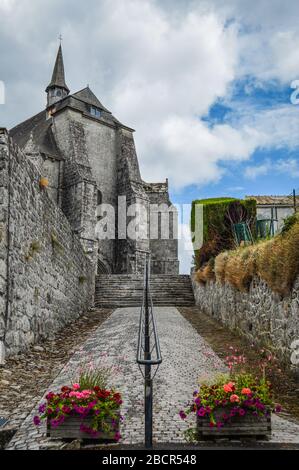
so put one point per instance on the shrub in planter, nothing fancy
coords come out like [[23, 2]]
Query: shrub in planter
[[232, 405], [77, 412]]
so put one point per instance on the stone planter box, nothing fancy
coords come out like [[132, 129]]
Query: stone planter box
[[70, 429], [240, 426]]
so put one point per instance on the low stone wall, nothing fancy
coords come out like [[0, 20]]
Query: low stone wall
[[46, 280], [262, 316]]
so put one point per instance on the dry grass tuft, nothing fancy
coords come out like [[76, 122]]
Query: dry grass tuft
[[241, 267], [276, 261], [220, 266], [206, 273]]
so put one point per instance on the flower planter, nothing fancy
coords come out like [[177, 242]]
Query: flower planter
[[81, 413], [239, 426], [71, 428]]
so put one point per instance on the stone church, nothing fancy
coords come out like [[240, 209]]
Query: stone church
[[89, 159]]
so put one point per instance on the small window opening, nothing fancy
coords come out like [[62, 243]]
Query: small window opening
[[95, 111]]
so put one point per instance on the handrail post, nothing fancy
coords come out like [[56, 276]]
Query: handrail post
[[148, 353], [148, 389]]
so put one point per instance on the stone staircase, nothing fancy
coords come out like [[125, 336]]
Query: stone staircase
[[125, 290]]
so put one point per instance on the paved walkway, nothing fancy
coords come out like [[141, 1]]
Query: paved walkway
[[186, 356]]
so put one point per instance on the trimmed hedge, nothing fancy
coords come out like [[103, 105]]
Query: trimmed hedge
[[218, 216]]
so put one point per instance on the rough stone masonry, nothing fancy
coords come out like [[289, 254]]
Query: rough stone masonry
[[46, 279], [49, 250], [261, 315]]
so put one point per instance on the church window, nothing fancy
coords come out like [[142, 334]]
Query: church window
[[58, 93], [95, 111]]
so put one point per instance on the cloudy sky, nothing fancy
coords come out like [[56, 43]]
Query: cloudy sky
[[206, 84]]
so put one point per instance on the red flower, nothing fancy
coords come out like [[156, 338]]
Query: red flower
[[50, 396], [103, 393]]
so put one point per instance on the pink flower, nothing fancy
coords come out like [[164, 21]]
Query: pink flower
[[76, 386], [246, 391], [201, 411], [36, 420], [234, 398], [227, 388]]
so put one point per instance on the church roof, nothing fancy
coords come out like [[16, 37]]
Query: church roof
[[87, 96], [39, 129], [58, 76]]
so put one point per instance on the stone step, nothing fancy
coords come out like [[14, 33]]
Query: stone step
[[126, 290]]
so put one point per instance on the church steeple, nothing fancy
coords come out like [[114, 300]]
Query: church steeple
[[57, 88]]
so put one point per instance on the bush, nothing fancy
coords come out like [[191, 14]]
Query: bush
[[206, 273], [219, 215], [276, 261], [289, 222], [240, 267]]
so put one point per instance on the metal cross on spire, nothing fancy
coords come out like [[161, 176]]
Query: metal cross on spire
[[60, 38]]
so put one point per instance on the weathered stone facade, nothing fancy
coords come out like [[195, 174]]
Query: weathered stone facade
[[46, 279], [49, 246], [262, 316], [90, 159]]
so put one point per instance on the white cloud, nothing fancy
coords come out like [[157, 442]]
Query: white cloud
[[289, 166], [159, 68], [253, 172], [7, 5]]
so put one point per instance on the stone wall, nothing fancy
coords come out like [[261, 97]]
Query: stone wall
[[46, 279], [88, 148], [262, 316], [163, 216]]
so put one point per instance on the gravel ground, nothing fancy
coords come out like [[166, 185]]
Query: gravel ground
[[186, 355]]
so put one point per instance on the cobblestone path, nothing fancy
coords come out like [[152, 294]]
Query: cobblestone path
[[186, 356]]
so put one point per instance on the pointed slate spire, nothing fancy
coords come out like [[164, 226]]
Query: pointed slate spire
[[58, 77]]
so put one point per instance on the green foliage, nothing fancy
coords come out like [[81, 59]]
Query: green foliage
[[82, 279], [33, 249], [276, 261], [91, 378], [36, 293], [219, 214], [55, 243], [289, 222], [228, 397]]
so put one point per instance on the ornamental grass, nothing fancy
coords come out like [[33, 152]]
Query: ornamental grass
[[276, 261]]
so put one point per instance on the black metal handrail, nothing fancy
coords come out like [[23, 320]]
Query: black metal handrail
[[148, 351]]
